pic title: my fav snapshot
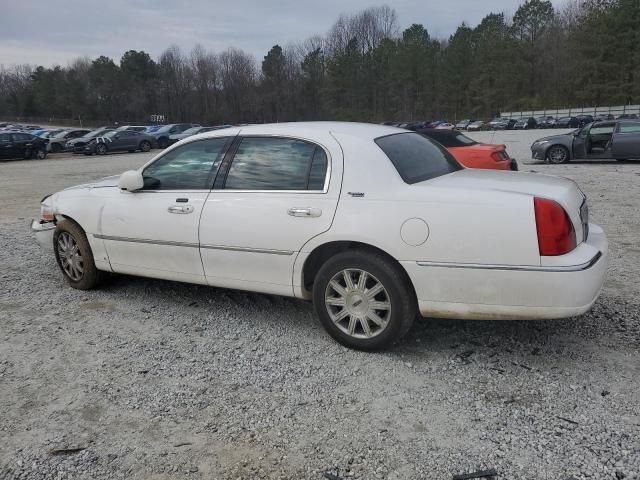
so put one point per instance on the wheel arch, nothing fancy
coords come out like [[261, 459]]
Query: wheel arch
[[321, 253]]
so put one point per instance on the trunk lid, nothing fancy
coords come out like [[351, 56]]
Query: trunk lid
[[564, 191]]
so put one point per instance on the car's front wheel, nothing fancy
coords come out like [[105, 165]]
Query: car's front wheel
[[163, 142], [74, 256], [145, 146], [39, 154], [101, 149], [558, 154], [363, 300]]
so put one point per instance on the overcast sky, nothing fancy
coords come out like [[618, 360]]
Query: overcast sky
[[49, 32]]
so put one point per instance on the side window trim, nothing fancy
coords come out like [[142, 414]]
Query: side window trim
[[223, 171], [212, 174]]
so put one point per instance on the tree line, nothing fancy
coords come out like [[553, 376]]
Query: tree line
[[586, 53]]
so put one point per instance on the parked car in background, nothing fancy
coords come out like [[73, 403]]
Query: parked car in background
[[22, 145], [502, 123], [567, 122], [123, 141], [628, 116], [525, 123], [445, 126], [584, 120], [546, 122], [176, 137], [372, 223], [76, 145], [58, 141], [619, 140], [162, 134], [603, 116], [135, 128], [463, 124], [470, 153], [477, 125]]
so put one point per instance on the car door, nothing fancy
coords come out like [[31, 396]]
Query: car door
[[154, 231], [7, 147], [580, 143], [272, 197], [625, 142], [599, 140]]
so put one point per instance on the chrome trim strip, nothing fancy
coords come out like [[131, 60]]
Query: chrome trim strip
[[145, 240], [529, 268], [247, 249], [193, 245]]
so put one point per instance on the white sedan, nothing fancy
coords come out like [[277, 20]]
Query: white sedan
[[372, 223]]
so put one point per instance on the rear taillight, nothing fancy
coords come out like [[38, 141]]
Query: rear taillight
[[499, 155], [556, 235]]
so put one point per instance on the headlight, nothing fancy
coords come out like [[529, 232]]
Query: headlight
[[46, 209], [541, 142]]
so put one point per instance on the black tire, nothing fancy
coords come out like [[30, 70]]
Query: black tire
[[402, 305], [163, 142], [90, 276], [558, 154], [145, 146], [101, 149], [131, 151], [56, 148], [39, 153]]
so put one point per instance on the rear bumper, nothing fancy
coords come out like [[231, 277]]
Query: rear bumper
[[43, 232], [556, 289]]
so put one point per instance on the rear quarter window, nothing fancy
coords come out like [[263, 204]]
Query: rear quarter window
[[416, 158]]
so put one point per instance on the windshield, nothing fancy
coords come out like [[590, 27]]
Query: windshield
[[110, 134], [417, 158], [60, 134], [192, 130], [163, 128], [152, 128], [95, 133]]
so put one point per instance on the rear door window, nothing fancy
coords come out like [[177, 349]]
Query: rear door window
[[268, 163], [631, 127], [417, 158]]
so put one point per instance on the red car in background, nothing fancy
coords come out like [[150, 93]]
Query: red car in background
[[470, 153]]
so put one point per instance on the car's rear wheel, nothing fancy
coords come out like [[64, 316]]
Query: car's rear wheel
[[163, 142], [363, 300], [145, 146], [74, 256], [558, 154], [101, 149]]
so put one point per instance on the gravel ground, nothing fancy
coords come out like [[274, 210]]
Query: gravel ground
[[154, 379]]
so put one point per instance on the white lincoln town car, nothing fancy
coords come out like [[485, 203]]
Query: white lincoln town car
[[372, 223]]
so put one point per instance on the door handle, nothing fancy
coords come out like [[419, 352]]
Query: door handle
[[304, 212], [180, 209]]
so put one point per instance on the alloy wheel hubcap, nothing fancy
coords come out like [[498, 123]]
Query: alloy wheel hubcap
[[557, 155], [358, 303], [70, 257]]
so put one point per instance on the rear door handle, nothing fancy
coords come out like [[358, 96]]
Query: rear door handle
[[180, 209], [304, 212]]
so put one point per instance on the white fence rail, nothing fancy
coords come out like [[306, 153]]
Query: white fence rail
[[572, 112]]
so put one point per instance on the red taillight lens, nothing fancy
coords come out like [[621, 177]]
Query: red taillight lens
[[496, 156], [556, 235]]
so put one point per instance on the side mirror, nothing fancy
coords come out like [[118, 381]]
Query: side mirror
[[131, 181]]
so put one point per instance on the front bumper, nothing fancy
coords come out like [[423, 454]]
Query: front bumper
[[558, 288], [44, 233], [539, 152]]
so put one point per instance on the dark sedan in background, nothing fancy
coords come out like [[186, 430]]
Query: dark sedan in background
[[22, 145], [58, 141], [176, 137], [76, 145], [619, 140], [123, 141]]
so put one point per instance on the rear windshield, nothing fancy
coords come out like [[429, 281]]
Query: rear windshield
[[417, 158], [449, 139]]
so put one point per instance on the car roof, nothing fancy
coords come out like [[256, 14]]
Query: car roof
[[362, 130]]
